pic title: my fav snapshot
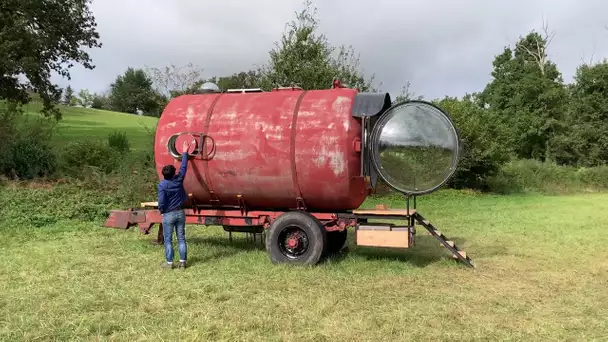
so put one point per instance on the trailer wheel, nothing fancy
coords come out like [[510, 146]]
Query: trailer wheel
[[335, 241], [296, 238]]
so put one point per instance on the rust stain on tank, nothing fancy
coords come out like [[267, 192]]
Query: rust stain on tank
[[190, 116]]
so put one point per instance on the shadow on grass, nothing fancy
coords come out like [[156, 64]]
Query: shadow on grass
[[227, 248], [427, 250]]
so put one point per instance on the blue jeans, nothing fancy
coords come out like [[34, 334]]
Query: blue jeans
[[175, 220]]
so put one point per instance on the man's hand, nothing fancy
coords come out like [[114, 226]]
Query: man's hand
[[187, 147]]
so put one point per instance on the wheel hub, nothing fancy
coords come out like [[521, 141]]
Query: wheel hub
[[293, 242]]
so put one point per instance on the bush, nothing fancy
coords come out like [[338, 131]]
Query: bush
[[78, 155], [546, 177], [25, 152], [119, 142], [31, 159]]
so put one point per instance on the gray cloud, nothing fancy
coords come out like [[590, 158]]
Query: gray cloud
[[441, 47]]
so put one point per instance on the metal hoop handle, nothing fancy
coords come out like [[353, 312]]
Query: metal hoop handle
[[199, 147]]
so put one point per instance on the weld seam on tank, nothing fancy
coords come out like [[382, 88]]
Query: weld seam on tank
[[207, 183], [292, 145]]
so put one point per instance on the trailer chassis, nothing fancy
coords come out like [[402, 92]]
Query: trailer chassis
[[298, 236]]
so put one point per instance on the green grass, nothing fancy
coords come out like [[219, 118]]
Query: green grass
[[541, 269], [541, 274], [79, 123]]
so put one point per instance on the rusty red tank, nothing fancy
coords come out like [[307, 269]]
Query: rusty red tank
[[282, 149]]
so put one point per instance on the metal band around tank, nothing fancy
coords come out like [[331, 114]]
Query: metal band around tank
[[292, 145], [207, 180]]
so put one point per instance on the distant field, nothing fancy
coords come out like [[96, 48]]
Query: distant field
[[87, 123], [541, 276]]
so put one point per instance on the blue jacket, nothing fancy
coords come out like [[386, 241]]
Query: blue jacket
[[171, 193]]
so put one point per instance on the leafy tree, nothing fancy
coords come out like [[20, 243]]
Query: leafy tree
[[586, 141], [85, 98], [99, 101], [40, 37], [527, 95], [306, 59], [240, 80], [482, 152], [132, 92], [68, 96]]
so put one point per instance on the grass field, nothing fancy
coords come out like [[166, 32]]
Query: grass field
[[541, 271], [78, 123], [541, 275]]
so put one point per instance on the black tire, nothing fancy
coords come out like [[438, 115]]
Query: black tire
[[335, 241], [296, 238]]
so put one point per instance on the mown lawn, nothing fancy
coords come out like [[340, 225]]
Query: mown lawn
[[541, 274], [87, 123], [94, 123]]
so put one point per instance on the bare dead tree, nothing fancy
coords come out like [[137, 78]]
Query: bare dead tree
[[174, 78], [406, 94], [539, 51], [590, 62]]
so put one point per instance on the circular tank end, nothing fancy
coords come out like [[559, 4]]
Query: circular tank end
[[415, 147]]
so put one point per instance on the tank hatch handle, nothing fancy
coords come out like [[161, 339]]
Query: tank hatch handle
[[200, 150]]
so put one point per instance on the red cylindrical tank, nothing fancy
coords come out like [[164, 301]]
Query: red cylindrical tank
[[271, 148]]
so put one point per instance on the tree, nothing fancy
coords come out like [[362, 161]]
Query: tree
[[482, 150], [406, 94], [306, 59], [40, 37], [68, 96], [586, 141], [172, 80], [99, 101], [527, 95], [132, 92], [536, 45], [85, 98], [240, 80]]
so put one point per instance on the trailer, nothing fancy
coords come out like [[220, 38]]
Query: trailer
[[298, 237], [294, 167]]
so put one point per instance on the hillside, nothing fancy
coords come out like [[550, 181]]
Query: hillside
[[80, 123]]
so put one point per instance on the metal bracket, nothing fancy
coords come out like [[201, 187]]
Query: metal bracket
[[411, 220], [300, 205], [193, 203], [242, 205], [214, 199]]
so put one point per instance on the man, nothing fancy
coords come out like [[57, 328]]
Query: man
[[171, 198]]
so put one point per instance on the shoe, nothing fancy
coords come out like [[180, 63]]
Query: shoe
[[166, 265], [181, 264]]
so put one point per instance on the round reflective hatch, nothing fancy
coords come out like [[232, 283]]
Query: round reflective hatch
[[415, 147]]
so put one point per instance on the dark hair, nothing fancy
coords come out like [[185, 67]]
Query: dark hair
[[168, 171]]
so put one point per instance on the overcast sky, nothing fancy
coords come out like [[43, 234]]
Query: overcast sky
[[440, 46]]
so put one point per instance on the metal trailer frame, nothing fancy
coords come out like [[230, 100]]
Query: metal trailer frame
[[298, 236]]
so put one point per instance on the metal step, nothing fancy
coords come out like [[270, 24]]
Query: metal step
[[449, 244]]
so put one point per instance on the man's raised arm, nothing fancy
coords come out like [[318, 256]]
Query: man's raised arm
[[183, 168]]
